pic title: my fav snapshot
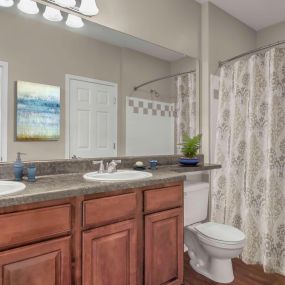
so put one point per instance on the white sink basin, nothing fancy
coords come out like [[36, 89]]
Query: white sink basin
[[9, 187], [120, 175]]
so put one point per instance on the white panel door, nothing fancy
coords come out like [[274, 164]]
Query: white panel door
[[93, 119]]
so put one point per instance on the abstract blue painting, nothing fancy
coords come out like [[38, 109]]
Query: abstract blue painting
[[38, 112]]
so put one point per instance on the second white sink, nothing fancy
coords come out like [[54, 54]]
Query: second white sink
[[10, 187], [119, 176]]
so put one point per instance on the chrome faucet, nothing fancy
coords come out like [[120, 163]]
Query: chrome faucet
[[112, 166]]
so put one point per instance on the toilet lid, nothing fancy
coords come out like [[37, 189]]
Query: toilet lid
[[221, 232]]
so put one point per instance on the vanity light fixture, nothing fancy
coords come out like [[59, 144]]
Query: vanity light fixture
[[65, 3], [88, 8], [6, 3], [28, 7], [52, 14], [74, 21]]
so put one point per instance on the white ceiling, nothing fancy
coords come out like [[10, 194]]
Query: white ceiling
[[257, 14]]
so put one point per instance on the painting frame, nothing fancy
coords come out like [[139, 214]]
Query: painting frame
[[38, 112]]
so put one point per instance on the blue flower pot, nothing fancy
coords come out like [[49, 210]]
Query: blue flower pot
[[188, 161]]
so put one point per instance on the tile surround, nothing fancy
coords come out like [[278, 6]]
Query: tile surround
[[145, 107]]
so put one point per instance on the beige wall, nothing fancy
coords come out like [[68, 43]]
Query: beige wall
[[183, 65], [227, 37], [271, 34], [42, 53], [223, 37], [174, 24]]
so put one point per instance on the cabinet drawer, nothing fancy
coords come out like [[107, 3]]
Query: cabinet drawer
[[163, 198], [110, 209], [32, 225]]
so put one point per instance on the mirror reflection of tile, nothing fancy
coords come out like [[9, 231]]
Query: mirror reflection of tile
[[150, 127], [155, 108]]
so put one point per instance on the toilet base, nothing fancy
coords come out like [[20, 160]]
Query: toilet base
[[218, 270]]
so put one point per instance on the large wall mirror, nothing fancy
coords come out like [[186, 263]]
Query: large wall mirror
[[119, 95]]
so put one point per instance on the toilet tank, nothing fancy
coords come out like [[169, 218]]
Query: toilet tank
[[196, 197]]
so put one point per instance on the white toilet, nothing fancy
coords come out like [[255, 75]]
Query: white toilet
[[211, 246]]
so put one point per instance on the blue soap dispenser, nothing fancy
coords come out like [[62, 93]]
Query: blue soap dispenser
[[18, 167]]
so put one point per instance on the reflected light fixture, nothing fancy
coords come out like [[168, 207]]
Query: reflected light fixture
[[74, 21], [28, 7], [88, 7], [52, 14], [6, 3], [65, 3]]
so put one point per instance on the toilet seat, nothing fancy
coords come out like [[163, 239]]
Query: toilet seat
[[220, 233], [222, 245]]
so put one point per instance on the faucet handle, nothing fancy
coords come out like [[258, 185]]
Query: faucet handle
[[101, 162]]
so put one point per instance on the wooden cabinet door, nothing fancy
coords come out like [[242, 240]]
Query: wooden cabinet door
[[164, 248], [46, 263], [110, 255]]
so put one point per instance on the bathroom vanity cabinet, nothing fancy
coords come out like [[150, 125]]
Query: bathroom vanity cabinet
[[130, 237]]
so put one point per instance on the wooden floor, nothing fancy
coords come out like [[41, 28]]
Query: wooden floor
[[244, 275]]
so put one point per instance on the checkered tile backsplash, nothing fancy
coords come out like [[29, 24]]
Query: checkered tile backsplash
[[154, 108]]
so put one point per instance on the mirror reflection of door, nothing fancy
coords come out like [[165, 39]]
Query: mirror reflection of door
[[93, 118]]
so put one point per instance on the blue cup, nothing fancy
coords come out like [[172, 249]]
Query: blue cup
[[32, 173], [153, 164]]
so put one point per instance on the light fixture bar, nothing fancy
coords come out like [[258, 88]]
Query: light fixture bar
[[73, 9]]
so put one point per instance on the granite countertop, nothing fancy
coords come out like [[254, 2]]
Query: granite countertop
[[184, 169], [61, 186]]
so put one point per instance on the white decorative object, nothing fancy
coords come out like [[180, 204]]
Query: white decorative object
[[28, 7], [74, 21], [248, 191], [89, 7], [52, 14], [6, 3], [66, 3]]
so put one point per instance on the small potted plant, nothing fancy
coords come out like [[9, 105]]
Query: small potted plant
[[190, 148]]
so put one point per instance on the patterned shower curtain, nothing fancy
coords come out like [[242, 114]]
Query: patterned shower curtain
[[249, 190], [186, 107]]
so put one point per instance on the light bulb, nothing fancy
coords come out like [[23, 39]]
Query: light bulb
[[88, 7], [74, 21], [28, 7], [66, 3], [52, 14], [6, 3]]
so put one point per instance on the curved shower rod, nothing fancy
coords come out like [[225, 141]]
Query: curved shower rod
[[221, 63], [162, 78]]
